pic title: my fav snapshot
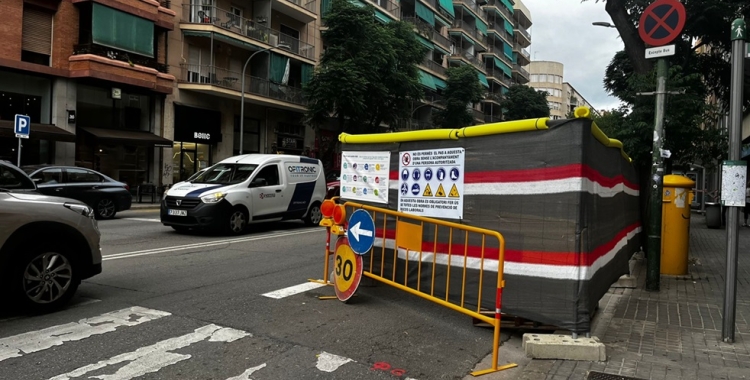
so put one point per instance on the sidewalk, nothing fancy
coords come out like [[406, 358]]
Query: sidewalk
[[674, 333]]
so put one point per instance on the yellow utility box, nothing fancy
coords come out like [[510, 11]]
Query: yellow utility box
[[675, 224]]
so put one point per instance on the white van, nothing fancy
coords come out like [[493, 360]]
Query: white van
[[245, 189]]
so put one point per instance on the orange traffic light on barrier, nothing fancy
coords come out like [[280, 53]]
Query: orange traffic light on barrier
[[327, 210], [339, 214]]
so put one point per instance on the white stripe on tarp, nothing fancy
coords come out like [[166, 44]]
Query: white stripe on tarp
[[292, 290], [554, 186], [39, 340], [557, 272], [152, 358]]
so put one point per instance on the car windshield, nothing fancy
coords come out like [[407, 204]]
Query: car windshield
[[14, 180], [225, 174]]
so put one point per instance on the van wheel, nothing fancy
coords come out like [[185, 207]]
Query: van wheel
[[314, 215], [237, 222], [44, 278]]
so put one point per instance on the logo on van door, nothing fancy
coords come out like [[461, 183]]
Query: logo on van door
[[302, 171], [267, 195]]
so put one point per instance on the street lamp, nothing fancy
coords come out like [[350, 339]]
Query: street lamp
[[604, 24], [242, 89]]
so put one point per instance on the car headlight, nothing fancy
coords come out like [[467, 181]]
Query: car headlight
[[213, 198], [80, 209]]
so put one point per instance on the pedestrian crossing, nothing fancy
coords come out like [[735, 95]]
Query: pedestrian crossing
[[66, 350]]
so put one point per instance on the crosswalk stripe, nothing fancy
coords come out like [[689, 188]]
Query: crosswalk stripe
[[292, 290], [34, 341], [246, 375], [152, 358]]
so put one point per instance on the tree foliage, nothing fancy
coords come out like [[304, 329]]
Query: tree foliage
[[368, 75], [463, 89], [524, 102]]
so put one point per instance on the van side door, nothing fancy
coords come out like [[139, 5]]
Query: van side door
[[267, 192]]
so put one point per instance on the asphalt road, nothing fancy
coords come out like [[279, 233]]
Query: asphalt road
[[175, 306]]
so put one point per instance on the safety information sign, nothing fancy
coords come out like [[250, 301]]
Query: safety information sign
[[364, 176], [431, 182]]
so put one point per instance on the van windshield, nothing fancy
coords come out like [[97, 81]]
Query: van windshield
[[225, 174]]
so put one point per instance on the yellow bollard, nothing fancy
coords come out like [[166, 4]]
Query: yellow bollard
[[675, 224]]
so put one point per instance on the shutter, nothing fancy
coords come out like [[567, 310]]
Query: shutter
[[37, 31]]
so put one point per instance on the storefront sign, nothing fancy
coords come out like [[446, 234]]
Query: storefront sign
[[197, 125], [71, 116]]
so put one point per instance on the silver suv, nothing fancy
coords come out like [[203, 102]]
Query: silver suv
[[47, 244]]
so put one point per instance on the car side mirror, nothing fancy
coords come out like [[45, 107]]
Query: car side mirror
[[258, 182]]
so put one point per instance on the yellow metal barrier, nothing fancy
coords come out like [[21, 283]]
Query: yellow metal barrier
[[407, 235]]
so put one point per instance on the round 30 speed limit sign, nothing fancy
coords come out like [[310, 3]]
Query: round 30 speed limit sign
[[347, 270]]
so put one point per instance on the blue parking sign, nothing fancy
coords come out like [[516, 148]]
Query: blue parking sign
[[22, 126]]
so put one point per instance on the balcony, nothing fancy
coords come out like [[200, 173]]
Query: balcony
[[434, 66], [429, 31], [469, 29], [471, 5], [469, 58], [196, 17], [524, 73], [525, 34], [96, 61], [500, 53], [302, 10], [523, 57], [498, 75], [499, 30], [497, 4], [492, 97], [389, 6], [477, 114], [206, 78]]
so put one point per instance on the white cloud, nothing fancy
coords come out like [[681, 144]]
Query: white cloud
[[562, 32]]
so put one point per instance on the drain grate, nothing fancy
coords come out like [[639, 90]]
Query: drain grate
[[595, 375]]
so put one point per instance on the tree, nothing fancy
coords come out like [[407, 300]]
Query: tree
[[463, 89], [524, 102], [368, 75]]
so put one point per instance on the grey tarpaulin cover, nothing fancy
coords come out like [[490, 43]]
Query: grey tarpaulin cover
[[566, 204]]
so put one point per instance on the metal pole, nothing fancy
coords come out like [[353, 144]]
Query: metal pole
[[242, 101], [738, 33], [657, 175], [19, 152]]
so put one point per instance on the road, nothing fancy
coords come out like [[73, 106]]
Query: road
[[175, 306]]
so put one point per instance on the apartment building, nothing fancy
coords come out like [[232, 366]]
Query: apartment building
[[548, 76], [573, 99], [278, 41], [92, 77]]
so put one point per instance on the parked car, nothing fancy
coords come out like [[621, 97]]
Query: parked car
[[47, 244], [333, 185], [105, 195]]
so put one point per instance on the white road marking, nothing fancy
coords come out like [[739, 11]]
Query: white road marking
[[142, 219], [292, 290], [330, 362], [152, 358], [34, 341], [246, 375], [116, 256]]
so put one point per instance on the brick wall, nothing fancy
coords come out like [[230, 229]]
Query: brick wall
[[10, 29], [65, 34]]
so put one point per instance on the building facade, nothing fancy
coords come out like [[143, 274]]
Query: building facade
[[572, 99], [548, 76], [92, 77]]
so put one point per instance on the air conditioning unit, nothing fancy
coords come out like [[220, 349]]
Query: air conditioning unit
[[273, 40]]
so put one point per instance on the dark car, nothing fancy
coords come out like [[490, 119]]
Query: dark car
[[105, 195], [333, 185]]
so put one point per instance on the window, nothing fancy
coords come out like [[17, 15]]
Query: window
[[48, 176], [82, 176], [250, 138], [36, 43], [270, 174], [226, 174], [236, 15], [12, 104], [11, 179], [120, 30]]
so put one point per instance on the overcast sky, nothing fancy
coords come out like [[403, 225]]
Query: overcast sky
[[562, 32]]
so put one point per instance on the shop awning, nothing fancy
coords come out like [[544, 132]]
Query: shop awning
[[427, 80], [128, 137], [38, 132]]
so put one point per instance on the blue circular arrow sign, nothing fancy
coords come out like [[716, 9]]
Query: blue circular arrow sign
[[361, 232]]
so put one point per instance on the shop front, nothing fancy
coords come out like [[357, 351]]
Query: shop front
[[31, 96], [196, 133]]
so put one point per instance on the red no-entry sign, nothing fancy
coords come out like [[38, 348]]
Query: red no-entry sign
[[662, 22]]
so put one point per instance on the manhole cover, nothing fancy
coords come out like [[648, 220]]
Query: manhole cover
[[595, 375]]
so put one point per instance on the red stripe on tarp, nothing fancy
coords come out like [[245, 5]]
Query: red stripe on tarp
[[521, 256], [541, 174]]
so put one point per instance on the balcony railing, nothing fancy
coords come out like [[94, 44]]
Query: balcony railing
[[524, 32], [470, 29], [460, 53], [500, 53], [500, 30], [478, 115], [309, 5], [428, 31], [494, 72], [434, 66], [524, 72], [499, 5], [120, 55], [389, 6], [493, 97], [204, 14], [216, 76], [471, 4]]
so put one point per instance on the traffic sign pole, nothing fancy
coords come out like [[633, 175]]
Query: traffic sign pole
[[19, 152], [653, 262], [739, 35]]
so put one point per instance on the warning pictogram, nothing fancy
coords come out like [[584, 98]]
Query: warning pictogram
[[427, 191], [454, 192], [440, 191]]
